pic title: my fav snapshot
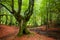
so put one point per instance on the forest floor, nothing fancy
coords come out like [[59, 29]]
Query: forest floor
[[34, 36], [37, 33], [40, 33]]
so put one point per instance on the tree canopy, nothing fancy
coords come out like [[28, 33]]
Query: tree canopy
[[29, 12]]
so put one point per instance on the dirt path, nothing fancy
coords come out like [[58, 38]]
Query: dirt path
[[52, 34], [34, 36]]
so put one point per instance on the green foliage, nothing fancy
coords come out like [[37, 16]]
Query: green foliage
[[44, 11]]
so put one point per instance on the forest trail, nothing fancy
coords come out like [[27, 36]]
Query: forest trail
[[34, 36], [41, 34], [38, 33], [49, 33]]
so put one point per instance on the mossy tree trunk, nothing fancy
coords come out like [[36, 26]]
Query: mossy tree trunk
[[21, 20]]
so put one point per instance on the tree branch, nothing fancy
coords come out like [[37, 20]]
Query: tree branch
[[29, 11], [26, 12], [31, 8], [19, 6], [12, 6], [5, 7], [19, 17]]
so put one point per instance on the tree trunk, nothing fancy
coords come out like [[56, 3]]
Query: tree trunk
[[23, 28], [21, 20]]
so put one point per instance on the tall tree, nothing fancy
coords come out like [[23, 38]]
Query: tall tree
[[22, 20]]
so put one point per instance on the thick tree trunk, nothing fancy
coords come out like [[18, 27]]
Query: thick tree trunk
[[21, 20], [23, 28], [22, 25]]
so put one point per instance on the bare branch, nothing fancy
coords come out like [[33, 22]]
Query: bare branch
[[29, 11], [19, 6], [26, 12], [5, 7], [12, 6]]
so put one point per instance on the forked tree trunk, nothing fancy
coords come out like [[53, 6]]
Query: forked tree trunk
[[21, 20]]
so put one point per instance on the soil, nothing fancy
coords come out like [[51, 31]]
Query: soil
[[49, 32], [36, 33], [34, 36]]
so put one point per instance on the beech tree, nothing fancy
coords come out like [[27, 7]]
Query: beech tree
[[22, 20]]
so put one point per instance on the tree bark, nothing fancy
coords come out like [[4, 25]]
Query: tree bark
[[23, 28], [21, 20]]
